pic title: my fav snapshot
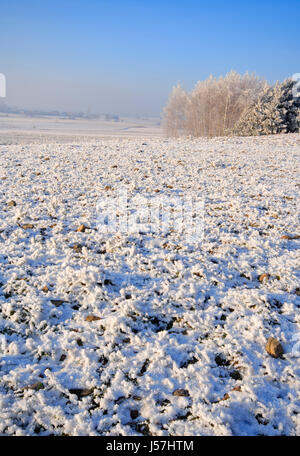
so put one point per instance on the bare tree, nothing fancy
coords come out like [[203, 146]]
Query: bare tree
[[174, 114]]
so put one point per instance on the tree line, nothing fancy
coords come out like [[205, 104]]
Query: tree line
[[232, 105]]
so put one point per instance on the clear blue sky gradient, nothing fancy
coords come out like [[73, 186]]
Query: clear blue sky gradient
[[124, 56]]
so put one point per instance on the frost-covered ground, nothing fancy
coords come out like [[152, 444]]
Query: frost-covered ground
[[179, 346]]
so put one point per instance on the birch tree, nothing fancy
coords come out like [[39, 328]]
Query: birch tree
[[174, 114], [213, 107]]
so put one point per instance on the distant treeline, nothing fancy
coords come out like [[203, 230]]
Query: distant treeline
[[63, 114]]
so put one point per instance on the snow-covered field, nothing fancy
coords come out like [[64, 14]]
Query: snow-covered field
[[179, 344]]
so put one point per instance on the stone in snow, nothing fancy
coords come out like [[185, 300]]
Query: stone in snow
[[81, 228], [181, 392], [92, 318], [274, 348]]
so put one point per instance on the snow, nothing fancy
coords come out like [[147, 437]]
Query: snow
[[16, 127], [174, 314]]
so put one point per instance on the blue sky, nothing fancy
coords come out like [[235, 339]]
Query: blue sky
[[124, 56]]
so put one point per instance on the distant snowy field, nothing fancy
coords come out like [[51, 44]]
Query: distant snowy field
[[15, 128], [179, 346]]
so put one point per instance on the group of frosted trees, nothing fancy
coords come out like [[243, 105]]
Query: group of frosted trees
[[234, 104], [277, 110]]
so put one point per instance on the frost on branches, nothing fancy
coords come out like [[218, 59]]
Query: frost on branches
[[276, 111], [213, 107], [174, 121], [242, 105]]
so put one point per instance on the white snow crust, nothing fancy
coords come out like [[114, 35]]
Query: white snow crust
[[173, 314]]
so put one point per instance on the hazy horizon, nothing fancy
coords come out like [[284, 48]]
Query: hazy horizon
[[124, 57]]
